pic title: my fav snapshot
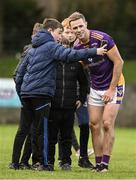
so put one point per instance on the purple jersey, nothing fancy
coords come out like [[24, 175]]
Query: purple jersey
[[101, 67]]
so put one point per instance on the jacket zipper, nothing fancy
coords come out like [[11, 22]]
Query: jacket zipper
[[63, 85]]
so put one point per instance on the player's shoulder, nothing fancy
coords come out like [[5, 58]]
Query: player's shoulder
[[100, 35]]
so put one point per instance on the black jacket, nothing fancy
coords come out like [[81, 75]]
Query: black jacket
[[68, 74]]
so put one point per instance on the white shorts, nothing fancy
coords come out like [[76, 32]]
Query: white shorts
[[95, 96]]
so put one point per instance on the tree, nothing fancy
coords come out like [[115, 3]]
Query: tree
[[1, 27], [51, 7], [18, 20]]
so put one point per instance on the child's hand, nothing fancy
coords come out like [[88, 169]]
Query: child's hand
[[102, 50]]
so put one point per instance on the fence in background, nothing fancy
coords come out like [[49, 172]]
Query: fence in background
[[10, 105]]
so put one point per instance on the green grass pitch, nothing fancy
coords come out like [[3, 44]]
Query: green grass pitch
[[122, 165]]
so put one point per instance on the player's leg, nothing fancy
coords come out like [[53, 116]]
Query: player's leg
[[95, 109], [95, 113], [109, 116]]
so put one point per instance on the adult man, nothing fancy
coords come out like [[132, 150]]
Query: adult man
[[106, 91], [36, 79]]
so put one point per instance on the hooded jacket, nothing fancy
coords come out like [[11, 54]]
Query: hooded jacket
[[37, 73]]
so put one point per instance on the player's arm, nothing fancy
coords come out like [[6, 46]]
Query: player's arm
[[115, 57]]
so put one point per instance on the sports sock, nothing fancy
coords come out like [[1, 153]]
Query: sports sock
[[98, 160], [105, 159]]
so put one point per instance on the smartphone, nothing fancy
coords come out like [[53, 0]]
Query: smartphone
[[103, 42]]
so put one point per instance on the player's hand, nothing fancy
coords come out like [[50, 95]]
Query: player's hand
[[108, 96], [102, 50]]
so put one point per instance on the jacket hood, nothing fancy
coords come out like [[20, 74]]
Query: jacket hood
[[41, 37]]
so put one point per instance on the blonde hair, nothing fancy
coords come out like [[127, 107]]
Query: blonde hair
[[37, 27], [75, 16]]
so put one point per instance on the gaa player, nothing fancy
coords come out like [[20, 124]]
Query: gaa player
[[107, 88]]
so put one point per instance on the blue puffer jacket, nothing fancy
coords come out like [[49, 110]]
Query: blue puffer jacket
[[37, 73]]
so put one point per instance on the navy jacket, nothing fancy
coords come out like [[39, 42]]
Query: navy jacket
[[37, 73]]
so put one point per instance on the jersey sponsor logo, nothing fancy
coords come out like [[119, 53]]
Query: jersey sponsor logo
[[94, 45], [95, 63]]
